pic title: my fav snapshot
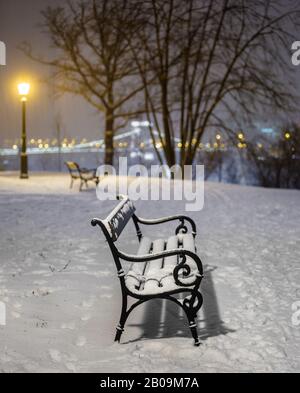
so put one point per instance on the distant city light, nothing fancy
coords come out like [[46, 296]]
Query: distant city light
[[267, 130], [136, 123], [148, 156]]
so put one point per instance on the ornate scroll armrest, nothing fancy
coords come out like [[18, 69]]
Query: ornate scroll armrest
[[181, 227], [184, 268]]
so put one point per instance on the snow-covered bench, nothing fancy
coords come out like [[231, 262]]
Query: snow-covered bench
[[83, 174], [161, 268]]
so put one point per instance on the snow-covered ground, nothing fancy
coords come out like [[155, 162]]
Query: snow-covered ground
[[62, 296]]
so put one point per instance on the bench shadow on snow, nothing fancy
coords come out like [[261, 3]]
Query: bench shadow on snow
[[163, 318]]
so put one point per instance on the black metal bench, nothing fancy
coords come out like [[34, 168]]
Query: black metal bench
[[83, 174], [161, 268]]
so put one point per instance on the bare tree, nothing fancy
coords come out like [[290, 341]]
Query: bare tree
[[93, 58], [211, 64]]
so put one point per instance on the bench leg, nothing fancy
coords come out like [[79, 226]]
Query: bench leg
[[193, 327], [81, 184], [123, 317], [71, 184], [191, 307]]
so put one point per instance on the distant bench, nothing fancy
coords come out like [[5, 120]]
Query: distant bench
[[83, 174], [160, 269]]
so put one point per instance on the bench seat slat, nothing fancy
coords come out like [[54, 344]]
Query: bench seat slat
[[157, 276], [153, 268], [136, 270], [171, 261]]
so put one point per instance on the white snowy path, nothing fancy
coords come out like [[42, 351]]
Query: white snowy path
[[62, 296]]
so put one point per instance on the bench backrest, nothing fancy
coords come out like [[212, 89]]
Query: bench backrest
[[73, 167], [116, 221]]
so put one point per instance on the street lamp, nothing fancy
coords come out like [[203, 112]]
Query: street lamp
[[23, 89]]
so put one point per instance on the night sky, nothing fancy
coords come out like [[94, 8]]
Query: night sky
[[19, 21]]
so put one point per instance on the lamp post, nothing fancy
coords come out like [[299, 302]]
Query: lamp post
[[23, 89]]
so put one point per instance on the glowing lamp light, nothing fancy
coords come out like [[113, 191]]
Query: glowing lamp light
[[218, 137], [287, 135], [23, 89]]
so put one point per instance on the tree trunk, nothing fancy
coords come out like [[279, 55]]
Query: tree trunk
[[109, 138], [278, 176]]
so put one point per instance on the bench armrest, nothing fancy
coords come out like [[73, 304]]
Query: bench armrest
[[162, 220], [183, 265]]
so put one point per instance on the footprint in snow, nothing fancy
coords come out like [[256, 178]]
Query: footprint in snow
[[105, 287], [85, 317], [71, 367], [106, 296], [55, 355], [88, 303], [15, 314], [81, 341], [68, 325]]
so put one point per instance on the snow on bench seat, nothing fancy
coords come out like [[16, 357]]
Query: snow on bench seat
[[156, 277]]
